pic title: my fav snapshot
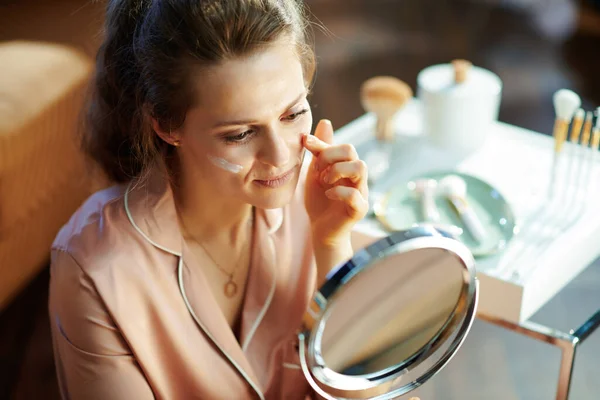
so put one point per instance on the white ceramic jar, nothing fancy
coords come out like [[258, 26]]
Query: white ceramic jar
[[460, 101]]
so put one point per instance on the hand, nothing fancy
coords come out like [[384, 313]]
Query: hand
[[336, 187]]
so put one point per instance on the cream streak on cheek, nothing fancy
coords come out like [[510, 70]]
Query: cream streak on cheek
[[226, 165]]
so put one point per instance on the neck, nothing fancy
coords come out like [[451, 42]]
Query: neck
[[208, 218]]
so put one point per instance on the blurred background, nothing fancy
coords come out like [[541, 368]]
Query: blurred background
[[535, 46]]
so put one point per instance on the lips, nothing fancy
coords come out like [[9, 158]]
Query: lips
[[276, 181]]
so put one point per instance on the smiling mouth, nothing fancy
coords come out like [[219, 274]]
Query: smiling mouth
[[276, 181]]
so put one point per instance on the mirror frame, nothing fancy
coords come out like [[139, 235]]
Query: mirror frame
[[330, 384]]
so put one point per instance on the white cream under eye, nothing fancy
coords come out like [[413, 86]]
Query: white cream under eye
[[226, 165]]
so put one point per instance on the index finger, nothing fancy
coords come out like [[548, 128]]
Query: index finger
[[314, 144]]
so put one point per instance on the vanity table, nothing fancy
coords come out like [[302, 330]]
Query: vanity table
[[517, 281]]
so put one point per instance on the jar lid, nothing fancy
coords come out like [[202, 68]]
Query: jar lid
[[468, 80]]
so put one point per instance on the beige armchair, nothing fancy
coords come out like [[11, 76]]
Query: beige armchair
[[43, 177]]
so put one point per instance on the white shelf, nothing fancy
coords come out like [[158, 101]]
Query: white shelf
[[516, 162]]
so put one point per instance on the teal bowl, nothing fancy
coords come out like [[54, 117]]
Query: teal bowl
[[400, 209]]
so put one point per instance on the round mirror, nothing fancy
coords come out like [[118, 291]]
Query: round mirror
[[391, 317]]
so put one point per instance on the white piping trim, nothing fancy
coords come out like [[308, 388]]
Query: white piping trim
[[211, 337], [185, 299], [262, 313], [291, 366], [137, 228]]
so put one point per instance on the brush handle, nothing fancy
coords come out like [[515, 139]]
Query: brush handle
[[553, 175], [469, 218], [587, 131], [561, 127], [428, 207], [385, 128], [576, 130]]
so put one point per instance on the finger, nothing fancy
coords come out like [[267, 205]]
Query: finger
[[356, 205], [324, 131], [355, 171], [336, 154], [314, 145], [322, 138]]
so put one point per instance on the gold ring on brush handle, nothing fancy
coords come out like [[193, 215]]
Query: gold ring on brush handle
[[560, 133], [576, 129], [596, 139], [587, 130]]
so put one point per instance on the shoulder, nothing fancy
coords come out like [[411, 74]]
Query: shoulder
[[97, 232]]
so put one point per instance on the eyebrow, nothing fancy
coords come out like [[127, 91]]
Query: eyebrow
[[249, 122]]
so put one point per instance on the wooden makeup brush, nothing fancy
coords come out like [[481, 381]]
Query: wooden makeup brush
[[596, 132], [574, 139], [566, 102], [587, 129], [384, 96], [576, 126]]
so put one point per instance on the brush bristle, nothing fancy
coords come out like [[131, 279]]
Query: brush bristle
[[453, 185], [566, 102]]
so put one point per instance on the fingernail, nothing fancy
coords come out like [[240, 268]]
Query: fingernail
[[326, 121], [324, 177], [329, 193], [310, 139]]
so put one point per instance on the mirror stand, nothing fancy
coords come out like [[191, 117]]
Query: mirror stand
[[567, 342]]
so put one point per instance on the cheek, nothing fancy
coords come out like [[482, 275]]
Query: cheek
[[208, 164], [303, 127], [226, 165]]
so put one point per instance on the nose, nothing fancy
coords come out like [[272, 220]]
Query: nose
[[275, 151]]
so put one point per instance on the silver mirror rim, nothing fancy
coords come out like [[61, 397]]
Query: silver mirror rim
[[412, 239]]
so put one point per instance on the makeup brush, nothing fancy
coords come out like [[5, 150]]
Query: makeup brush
[[455, 190], [574, 139], [426, 190], [596, 132], [566, 102], [384, 96], [577, 125], [595, 143], [587, 129]]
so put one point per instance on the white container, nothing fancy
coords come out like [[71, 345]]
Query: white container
[[460, 101]]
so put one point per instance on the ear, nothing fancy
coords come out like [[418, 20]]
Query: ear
[[173, 138]]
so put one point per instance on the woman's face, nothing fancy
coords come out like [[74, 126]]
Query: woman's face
[[243, 138]]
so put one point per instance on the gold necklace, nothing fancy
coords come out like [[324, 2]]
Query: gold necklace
[[230, 288]]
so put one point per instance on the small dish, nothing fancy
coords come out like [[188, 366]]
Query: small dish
[[400, 209]]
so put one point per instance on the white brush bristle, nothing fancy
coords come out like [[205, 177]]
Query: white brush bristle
[[566, 102], [453, 185], [580, 114]]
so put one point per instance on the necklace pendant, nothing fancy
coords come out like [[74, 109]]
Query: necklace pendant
[[230, 289]]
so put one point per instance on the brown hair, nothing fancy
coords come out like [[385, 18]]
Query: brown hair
[[144, 65]]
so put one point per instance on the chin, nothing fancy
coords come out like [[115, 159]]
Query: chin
[[267, 198]]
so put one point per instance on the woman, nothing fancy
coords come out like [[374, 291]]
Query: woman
[[190, 277]]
